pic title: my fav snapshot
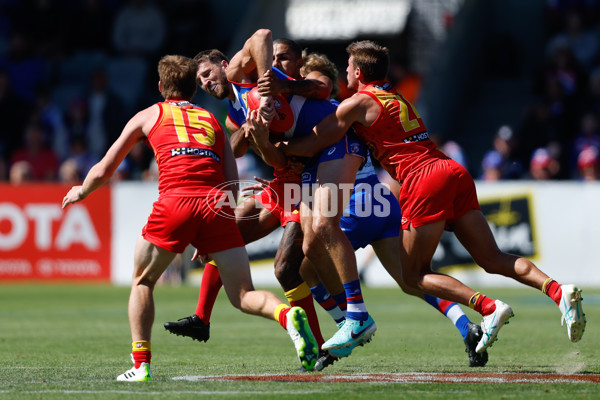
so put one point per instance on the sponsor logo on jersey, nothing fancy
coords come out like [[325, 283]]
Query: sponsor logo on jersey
[[187, 151]]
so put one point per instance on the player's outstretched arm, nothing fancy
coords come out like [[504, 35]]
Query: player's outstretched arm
[[328, 132], [316, 85]]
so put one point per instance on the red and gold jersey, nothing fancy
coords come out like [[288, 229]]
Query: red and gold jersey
[[398, 137], [188, 147]]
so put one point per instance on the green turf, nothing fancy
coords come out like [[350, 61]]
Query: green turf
[[71, 341]]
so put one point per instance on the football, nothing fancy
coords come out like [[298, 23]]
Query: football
[[285, 117]]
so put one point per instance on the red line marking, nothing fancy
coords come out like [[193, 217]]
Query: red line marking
[[410, 377]]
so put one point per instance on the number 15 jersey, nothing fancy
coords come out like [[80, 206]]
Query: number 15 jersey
[[188, 147]]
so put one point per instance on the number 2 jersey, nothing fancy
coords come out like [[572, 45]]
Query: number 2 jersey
[[188, 144], [398, 137]]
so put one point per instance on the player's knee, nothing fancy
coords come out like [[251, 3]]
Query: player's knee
[[411, 279], [288, 275], [146, 278], [324, 227], [310, 245], [495, 262], [238, 302]]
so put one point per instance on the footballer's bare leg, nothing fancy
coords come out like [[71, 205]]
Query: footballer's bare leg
[[150, 261]]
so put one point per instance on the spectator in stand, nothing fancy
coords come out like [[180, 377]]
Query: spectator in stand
[[24, 67], [556, 10], [21, 172], [184, 29], [52, 118], [588, 164], [583, 42], [450, 148], [589, 135], [593, 96], [544, 165], [537, 128], [80, 153], [564, 84], [77, 121], [91, 29], [69, 172], [151, 174], [104, 112], [43, 160], [492, 166], [14, 114], [140, 29], [502, 157], [138, 161]]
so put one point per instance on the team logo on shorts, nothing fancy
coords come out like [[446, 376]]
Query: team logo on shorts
[[404, 220], [222, 201]]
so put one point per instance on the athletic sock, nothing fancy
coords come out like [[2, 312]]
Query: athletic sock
[[329, 304], [209, 289], [140, 350], [340, 299], [452, 311], [553, 290], [280, 315], [482, 304], [301, 296], [357, 309]]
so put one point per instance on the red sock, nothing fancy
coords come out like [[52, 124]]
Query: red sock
[[313, 321], [485, 305], [140, 351], [554, 291], [141, 356], [282, 316], [209, 289]]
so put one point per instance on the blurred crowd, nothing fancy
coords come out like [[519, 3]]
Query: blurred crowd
[[559, 134], [72, 72]]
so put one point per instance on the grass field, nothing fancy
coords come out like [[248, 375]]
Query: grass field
[[71, 341]]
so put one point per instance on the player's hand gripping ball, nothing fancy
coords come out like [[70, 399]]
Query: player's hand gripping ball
[[285, 117]]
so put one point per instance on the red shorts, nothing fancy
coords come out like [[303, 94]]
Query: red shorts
[[273, 198], [177, 221], [441, 191]]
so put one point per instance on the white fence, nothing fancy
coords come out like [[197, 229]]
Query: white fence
[[557, 225]]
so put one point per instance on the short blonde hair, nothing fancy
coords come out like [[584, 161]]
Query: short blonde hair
[[177, 76], [320, 62]]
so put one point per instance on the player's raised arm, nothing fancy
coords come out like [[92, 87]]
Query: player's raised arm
[[254, 59]]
